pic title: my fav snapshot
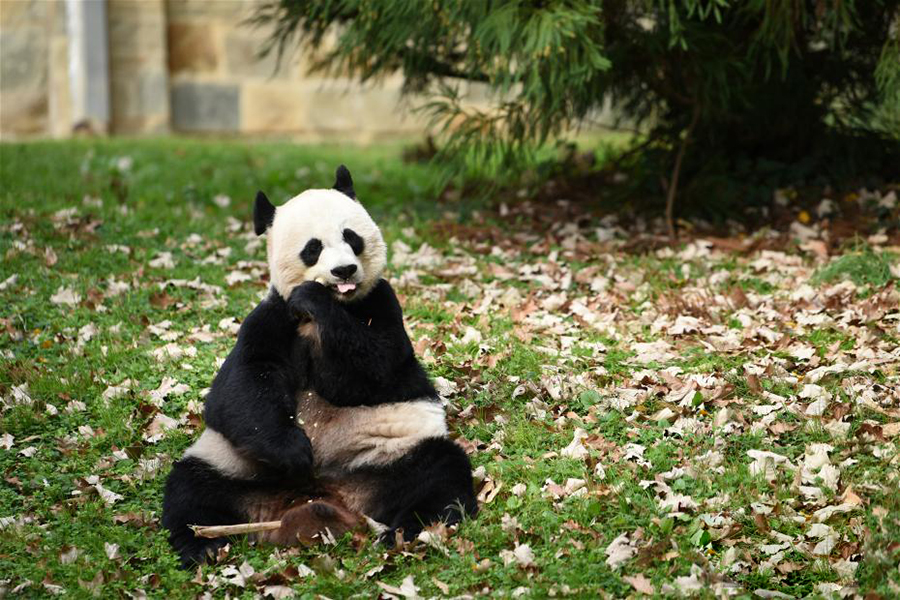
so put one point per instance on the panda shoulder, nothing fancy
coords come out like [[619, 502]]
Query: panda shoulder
[[272, 308], [383, 299], [267, 323], [384, 291], [384, 287]]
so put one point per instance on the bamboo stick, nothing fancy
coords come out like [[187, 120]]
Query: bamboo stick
[[215, 531]]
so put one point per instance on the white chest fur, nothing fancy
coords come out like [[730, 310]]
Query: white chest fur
[[352, 437]]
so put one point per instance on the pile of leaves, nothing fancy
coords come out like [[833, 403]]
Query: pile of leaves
[[719, 415]]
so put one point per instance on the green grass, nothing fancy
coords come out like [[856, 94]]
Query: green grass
[[862, 265], [536, 376]]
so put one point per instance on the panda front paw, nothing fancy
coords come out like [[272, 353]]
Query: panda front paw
[[300, 459], [307, 299]]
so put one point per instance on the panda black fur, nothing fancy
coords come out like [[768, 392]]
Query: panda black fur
[[321, 412]]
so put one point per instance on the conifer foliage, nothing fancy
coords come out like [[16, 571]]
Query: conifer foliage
[[749, 85]]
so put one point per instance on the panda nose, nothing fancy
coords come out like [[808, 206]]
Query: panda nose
[[344, 272]]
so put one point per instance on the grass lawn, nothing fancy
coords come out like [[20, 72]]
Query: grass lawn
[[687, 421]]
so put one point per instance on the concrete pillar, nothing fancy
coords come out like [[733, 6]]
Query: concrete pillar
[[88, 63]]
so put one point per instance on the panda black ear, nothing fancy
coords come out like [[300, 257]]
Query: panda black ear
[[343, 182], [263, 213]]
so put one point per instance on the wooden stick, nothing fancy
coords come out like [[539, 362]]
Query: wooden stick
[[215, 531]]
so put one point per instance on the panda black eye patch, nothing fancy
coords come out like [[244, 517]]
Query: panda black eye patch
[[355, 242], [311, 251]]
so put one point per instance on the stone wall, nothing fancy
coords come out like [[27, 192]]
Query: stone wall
[[219, 83], [33, 58], [184, 66]]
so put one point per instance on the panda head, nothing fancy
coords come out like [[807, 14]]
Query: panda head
[[325, 236]]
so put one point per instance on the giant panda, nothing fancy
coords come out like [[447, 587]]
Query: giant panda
[[321, 414]]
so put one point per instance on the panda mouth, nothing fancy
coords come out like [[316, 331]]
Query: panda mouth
[[345, 289]]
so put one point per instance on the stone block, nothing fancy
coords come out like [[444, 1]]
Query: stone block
[[242, 58], [142, 95], [206, 107], [153, 91], [142, 125], [137, 31], [192, 47], [57, 19], [343, 106], [323, 109], [234, 10], [25, 12], [59, 90], [24, 113], [136, 8], [273, 107], [23, 58]]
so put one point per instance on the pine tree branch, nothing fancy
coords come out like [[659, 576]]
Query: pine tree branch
[[428, 65], [439, 69], [676, 172]]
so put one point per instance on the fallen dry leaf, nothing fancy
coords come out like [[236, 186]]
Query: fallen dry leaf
[[640, 583], [619, 551]]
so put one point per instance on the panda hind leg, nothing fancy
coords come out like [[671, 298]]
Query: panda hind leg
[[430, 484], [196, 494]]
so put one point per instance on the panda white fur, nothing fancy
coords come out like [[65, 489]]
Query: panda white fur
[[321, 413]]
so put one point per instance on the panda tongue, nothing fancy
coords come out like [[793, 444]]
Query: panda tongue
[[346, 287]]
